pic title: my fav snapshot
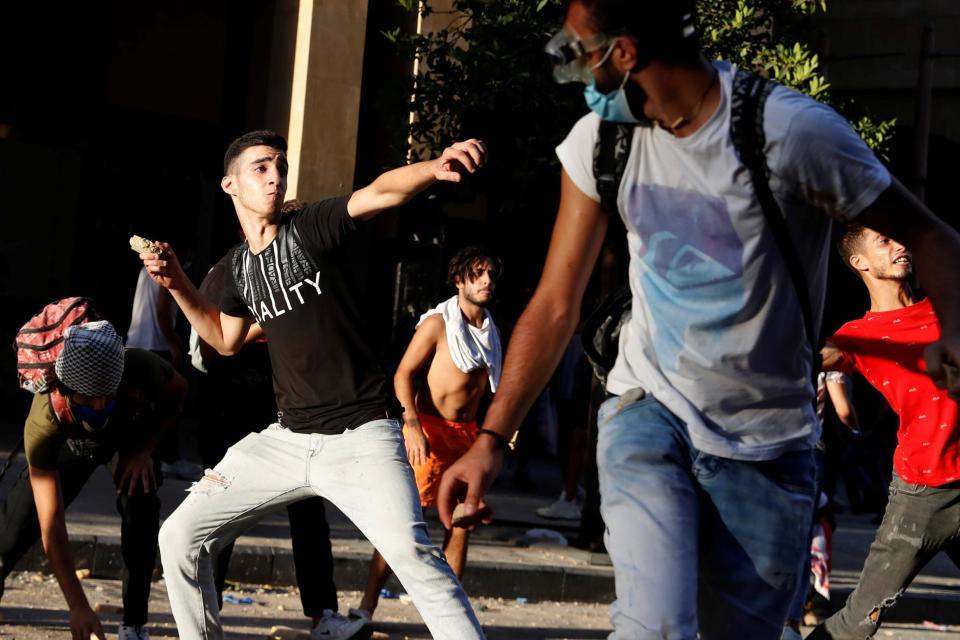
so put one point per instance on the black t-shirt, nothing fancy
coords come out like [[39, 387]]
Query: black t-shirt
[[303, 294]]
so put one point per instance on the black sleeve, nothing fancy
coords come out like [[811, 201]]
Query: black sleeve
[[231, 303], [325, 225]]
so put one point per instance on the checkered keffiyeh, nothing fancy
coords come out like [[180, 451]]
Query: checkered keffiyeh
[[91, 362]]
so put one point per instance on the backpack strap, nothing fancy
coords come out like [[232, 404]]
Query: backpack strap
[[60, 406], [601, 330], [749, 96], [610, 155]]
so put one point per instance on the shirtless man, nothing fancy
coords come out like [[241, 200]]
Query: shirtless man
[[460, 346]]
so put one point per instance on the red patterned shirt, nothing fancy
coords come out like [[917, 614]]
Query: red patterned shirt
[[887, 349]]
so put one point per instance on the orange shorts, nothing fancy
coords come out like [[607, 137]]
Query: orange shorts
[[448, 441]]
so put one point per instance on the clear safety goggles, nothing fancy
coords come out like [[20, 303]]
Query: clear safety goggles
[[568, 53]]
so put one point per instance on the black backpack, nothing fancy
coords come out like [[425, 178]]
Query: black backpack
[[601, 330]]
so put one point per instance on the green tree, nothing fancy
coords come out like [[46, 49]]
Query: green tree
[[487, 68], [768, 36]]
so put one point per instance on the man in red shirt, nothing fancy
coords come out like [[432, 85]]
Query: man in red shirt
[[886, 347]]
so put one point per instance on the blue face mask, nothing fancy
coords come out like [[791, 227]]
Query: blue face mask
[[93, 418], [611, 106]]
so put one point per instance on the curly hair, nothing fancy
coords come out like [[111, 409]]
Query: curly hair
[[465, 265]]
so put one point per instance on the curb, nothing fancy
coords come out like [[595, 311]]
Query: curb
[[264, 564], [914, 606]]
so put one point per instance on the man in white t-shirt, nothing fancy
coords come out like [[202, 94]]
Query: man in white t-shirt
[[152, 320], [705, 447]]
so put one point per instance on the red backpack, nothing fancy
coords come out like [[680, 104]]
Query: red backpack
[[40, 341]]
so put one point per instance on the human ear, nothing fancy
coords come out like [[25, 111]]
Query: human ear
[[858, 263], [226, 183], [624, 54]]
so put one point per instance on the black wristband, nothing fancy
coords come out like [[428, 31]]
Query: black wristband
[[502, 442]]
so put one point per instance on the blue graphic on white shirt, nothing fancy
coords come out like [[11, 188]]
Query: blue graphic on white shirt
[[690, 270]]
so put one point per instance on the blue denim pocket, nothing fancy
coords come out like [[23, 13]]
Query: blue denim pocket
[[618, 404]]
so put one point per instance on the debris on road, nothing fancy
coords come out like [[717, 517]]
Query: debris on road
[[235, 600], [104, 607], [287, 633]]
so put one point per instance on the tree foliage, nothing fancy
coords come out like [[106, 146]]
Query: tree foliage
[[485, 72], [768, 36]]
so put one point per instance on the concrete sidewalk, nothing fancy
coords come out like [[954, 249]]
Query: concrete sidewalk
[[504, 560]]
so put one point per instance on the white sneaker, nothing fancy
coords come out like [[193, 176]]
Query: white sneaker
[[125, 632], [360, 613], [789, 633], [562, 509], [333, 626]]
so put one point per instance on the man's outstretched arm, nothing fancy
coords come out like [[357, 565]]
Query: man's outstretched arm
[[535, 348], [398, 186], [226, 334], [935, 247]]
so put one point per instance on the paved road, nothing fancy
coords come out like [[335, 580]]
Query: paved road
[[33, 609]]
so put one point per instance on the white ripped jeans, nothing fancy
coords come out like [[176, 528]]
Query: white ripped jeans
[[363, 471]]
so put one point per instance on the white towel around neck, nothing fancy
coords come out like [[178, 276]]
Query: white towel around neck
[[470, 347]]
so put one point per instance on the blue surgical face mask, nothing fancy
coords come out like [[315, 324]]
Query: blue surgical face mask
[[611, 106], [91, 417]]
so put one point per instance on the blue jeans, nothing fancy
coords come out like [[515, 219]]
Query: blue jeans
[[799, 602], [699, 543]]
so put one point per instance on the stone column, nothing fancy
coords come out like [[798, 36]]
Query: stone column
[[315, 92]]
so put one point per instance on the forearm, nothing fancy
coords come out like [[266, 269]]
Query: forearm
[[938, 273], [56, 545], [403, 387], [154, 433], [202, 315], [533, 354], [168, 402], [849, 420], [393, 188]]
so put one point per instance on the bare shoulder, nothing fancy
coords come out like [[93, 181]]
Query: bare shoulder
[[433, 326]]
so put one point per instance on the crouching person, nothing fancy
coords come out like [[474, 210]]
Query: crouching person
[[110, 406]]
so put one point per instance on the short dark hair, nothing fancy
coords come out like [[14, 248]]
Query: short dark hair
[[463, 266], [658, 26], [264, 137], [850, 242]]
